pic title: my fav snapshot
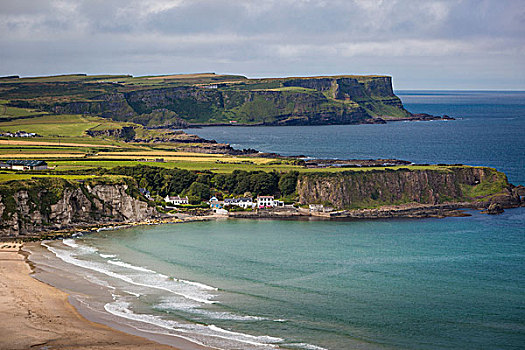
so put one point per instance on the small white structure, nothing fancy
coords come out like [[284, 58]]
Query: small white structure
[[218, 211], [316, 207], [243, 202], [278, 203], [176, 200]]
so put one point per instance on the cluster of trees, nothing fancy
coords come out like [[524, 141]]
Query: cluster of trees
[[199, 186]]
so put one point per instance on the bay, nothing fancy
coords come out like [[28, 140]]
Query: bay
[[450, 283]]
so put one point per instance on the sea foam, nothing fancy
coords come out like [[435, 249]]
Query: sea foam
[[148, 279], [210, 335]]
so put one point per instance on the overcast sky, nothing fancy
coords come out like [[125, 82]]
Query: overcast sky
[[449, 44]]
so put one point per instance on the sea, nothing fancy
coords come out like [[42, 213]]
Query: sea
[[452, 283]]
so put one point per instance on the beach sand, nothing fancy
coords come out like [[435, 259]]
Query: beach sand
[[37, 316]]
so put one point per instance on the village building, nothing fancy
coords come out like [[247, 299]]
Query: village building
[[215, 203], [26, 164], [268, 202], [243, 202], [176, 200], [265, 201]]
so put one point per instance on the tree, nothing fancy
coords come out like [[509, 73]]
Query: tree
[[288, 183], [263, 183], [199, 190]]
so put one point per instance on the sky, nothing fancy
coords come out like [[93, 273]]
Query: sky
[[434, 44]]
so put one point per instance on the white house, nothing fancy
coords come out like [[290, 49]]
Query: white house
[[246, 202], [176, 200], [265, 201], [268, 202], [243, 202]]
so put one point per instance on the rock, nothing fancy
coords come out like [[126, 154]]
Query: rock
[[362, 189], [126, 133], [494, 209], [35, 209]]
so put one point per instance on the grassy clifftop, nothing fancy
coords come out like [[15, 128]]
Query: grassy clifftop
[[208, 98], [372, 189]]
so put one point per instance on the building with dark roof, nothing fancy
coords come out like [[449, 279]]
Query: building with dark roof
[[26, 164]]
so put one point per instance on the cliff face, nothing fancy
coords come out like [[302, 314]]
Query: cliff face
[[367, 189], [286, 101], [39, 205]]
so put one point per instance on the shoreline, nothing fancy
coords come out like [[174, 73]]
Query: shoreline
[[375, 120], [401, 211], [47, 317], [89, 300]]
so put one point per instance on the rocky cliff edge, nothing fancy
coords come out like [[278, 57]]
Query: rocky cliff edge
[[34, 206]]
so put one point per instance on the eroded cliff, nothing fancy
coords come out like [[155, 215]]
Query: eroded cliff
[[46, 204], [370, 189]]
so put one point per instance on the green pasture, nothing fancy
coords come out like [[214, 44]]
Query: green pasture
[[223, 167], [4, 177], [51, 125]]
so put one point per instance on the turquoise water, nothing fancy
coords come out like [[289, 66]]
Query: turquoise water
[[451, 283]]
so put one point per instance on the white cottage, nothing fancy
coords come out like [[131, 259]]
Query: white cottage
[[176, 200]]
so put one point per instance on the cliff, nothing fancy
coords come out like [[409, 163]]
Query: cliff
[[371, 189], [179, 103], [38, 205]]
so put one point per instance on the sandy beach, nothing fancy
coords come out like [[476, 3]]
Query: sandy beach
[[38, 316]]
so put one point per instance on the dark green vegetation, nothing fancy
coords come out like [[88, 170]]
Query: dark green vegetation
[[204, 99], [201, 185]]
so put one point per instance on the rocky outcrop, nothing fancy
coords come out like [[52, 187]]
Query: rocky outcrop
[[126, 133], [494, 209], [370, 189], [32, 206]]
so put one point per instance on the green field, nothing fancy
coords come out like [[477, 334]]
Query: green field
[[4, 177], [51, 125], [9, 112], [225, 167]]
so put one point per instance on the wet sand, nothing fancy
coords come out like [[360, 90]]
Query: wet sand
[[36, 315]]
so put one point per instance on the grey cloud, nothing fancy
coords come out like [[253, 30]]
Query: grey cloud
[[268, 37]]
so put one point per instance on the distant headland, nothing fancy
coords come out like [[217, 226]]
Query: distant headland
[[209, 99]]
